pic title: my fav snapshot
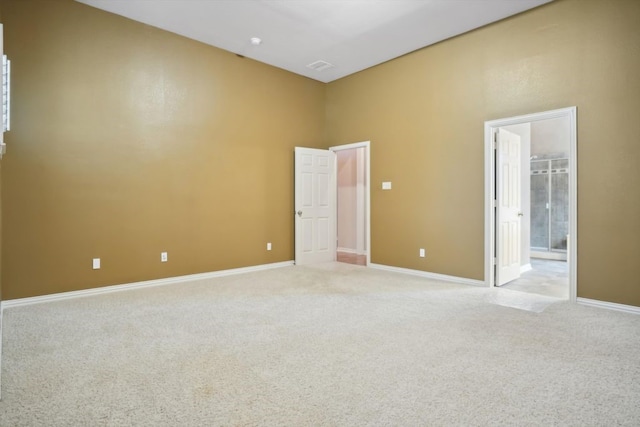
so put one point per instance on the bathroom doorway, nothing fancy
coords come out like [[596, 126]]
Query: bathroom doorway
[[547, 210], [352, 203]]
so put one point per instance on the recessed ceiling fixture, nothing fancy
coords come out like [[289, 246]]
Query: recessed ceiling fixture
[[256, 41], [320, 65]]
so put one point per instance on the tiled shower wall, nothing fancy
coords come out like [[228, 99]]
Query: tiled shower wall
[[549, 204]]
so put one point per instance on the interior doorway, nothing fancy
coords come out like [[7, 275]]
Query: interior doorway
[[546, 206], [352, 181], [315, 204]]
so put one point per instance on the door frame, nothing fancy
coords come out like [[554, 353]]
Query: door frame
[[490, 128], [367, 190]]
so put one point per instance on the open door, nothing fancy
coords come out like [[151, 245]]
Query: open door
[[508, 212], [315, 205], [493, 253]]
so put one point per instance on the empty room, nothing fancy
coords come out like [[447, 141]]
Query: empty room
[[319, 212]]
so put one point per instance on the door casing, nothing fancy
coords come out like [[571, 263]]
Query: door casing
[[490, 127]]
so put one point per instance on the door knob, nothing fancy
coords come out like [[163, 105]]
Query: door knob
[[299, 214], [520, 214]]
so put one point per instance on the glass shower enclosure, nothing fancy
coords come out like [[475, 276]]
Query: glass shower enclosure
[[549, 208]]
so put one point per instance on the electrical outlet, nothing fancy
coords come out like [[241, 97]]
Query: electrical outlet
[[269, 246], [96, 263], [422, 253], [163, 257]]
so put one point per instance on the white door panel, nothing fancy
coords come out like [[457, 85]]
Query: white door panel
[[508, 213], [315, 205]]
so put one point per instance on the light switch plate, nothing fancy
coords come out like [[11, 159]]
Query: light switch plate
[[96, 263], [386, 185]]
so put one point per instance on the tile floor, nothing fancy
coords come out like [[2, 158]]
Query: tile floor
[[548, 277], [350, 258]]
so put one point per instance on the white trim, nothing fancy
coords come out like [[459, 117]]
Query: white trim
[[427, 275], [609, 305], [347, 250], [525, 268], [138, 285], [367, 189], [489, 190], [557, 256]]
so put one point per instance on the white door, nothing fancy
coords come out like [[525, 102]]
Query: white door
[[508, 213], [315, 205]]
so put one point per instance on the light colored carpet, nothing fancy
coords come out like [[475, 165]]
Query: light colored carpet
[[327, 345]]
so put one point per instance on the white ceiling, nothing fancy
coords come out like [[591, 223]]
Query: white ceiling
[[352, 35]]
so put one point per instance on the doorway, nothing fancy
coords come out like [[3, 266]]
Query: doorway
[[316, 204], [352, 181], [547, 206]]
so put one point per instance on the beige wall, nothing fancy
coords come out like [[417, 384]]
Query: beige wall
[[127, 141], [424, 114]]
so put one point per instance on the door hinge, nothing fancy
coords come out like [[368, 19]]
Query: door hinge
[[495, 140], [495, 261]]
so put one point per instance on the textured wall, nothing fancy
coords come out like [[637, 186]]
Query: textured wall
[[128, 141], [424, 114]]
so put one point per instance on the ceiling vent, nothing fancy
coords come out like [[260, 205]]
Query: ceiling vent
[[320, 65]]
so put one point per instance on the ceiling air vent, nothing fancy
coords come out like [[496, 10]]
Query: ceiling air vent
[[320, 65]]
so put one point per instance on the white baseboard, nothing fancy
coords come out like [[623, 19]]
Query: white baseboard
[[558, 256], [609, 305], [427, 275], [138, 285], [525, 268], [350, 251], [347, 250]]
